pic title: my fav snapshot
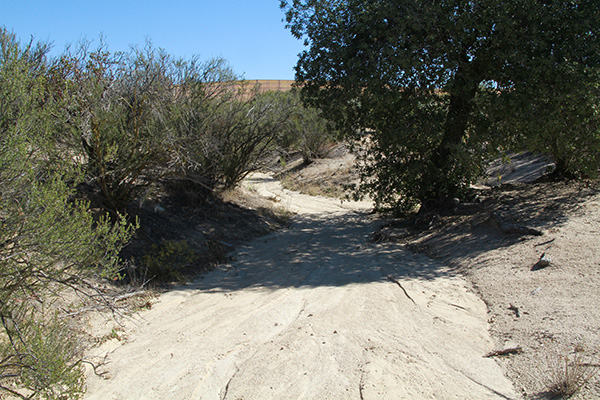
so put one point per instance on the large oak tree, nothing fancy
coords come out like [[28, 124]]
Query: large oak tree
[[442, 85]]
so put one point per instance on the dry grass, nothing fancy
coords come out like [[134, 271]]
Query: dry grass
[[568, 374]]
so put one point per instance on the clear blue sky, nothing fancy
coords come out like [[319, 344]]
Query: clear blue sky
[[250, 34]]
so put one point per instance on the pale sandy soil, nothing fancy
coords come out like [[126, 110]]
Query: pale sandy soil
[[552, 314], [316, 311], [559, 305]]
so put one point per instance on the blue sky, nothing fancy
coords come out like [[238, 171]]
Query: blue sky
[[250, 34]]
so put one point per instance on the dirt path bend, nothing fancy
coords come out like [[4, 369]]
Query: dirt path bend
[[312, 312]]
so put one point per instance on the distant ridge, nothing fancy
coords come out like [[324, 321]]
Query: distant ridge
[[267, 85]]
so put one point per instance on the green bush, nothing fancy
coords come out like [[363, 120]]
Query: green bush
[[47, 361], [165, 261], [48, 240], [136, 118], [222, 128], [560, 120], [113, 110]]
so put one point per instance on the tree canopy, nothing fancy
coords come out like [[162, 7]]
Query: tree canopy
[[445, 85]]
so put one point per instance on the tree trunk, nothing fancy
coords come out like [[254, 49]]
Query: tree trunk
[[444, 182]]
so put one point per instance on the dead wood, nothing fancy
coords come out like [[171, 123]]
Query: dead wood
[[505, 352], [509, 228]]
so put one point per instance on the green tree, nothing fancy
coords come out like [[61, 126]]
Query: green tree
[[561, 120], [440, 84], [48, 240]]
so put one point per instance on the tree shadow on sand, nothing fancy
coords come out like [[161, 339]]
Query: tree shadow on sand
[[470, 231], [339, 249], [319, 250]]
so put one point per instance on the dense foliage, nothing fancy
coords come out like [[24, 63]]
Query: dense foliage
[[442, 86], [136, 118]]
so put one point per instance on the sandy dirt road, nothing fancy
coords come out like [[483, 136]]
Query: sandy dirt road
[[316, 311]]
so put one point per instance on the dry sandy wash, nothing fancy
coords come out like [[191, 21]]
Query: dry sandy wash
[[315, 311]]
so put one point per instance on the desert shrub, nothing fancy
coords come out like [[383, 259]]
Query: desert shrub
[[113, 112], [47, 362], [242, 134], [567, 374], [165, 261], [133, 119], [306, 130], [48, 240], [223, 127]]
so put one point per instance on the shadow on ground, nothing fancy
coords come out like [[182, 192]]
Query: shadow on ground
[[451, 237], [338, 249], [211, 226], [321, 250]]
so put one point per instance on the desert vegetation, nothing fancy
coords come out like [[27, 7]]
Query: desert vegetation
[[443, 87], [428, 93], [49, 239], [86, 138]]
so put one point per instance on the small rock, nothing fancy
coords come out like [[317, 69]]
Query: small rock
[[543, 262], [510, 344], [516, 310]]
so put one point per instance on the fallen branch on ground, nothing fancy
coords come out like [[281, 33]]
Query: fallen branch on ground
[[391, 278], [505, 352], [508, 228]]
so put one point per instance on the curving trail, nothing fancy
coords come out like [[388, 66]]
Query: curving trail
[[312, 312]]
